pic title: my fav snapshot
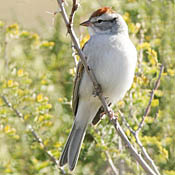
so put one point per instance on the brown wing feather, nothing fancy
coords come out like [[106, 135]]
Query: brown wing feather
[[99, 115], [77, 81]]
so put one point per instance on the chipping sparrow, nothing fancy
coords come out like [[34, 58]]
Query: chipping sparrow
[[112, 57]]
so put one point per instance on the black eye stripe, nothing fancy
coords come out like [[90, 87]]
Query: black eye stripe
[[100, 20]]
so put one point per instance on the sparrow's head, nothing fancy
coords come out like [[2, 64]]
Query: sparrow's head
[[105, 21]]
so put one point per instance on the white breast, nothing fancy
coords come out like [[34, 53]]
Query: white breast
[[113, 60]]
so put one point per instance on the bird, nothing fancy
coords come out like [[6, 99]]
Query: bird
[[112, 56]]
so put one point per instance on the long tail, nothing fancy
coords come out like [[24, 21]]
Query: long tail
[[71, 150]]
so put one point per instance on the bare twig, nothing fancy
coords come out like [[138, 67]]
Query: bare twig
[[136, 133], [81, 54], [131, 148], [98, 91], [150, 100], [126, 123], [146, 155], [74, 55], [111, 163], [74, 8], [35, 135], [53, 16], [143, 150], [108, 156]]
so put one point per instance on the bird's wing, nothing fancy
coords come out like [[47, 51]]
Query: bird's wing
[[77, 81], [75, 100]]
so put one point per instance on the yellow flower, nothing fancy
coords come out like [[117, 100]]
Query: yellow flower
[[132, 27], [60, 100], [133, 85], [35, 36], [39, 97], [41, 118], [24, 34], [121, 104], [1, 24], [155, 103], [169, 172], [159, 93], [47, 44], [128, 132], [149, 119], [43, 81], [152, 55], [10, 83], [13, 29], [84, 40], [144, 45], [26, 116], [20, 72], [171, 72], [49, 106], [8, 170], [7, 128], [46, 142], [147, 38], [126, 17], [57, 145], [1, 102]]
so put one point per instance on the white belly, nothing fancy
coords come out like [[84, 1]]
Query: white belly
[[113, 66]]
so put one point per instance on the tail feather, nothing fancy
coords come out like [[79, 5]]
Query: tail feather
[[64, 156], [71, 150], [74, 147]]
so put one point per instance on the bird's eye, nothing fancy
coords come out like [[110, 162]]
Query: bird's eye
[[114, 19], [100, 21]]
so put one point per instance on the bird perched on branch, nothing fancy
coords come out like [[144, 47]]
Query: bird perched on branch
[[112, 57]]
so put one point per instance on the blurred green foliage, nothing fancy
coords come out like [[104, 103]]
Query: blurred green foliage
[[36, 76]]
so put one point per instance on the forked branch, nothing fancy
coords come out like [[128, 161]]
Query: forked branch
[[34, 133], [151, 99]]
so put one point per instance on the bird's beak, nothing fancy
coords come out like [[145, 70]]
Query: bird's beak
[[86, 23]]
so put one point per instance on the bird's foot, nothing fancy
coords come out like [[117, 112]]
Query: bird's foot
[[112, 115], [97, 90]]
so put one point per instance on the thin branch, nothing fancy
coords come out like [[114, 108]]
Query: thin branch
[[111, 163], [146, 155], [136, 133], [53, 16], [74, 8], [131, 148], [74, 55], [126, 123], [34, 133], [98, 92], [143, 150], [150, 100], [108, 156]]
